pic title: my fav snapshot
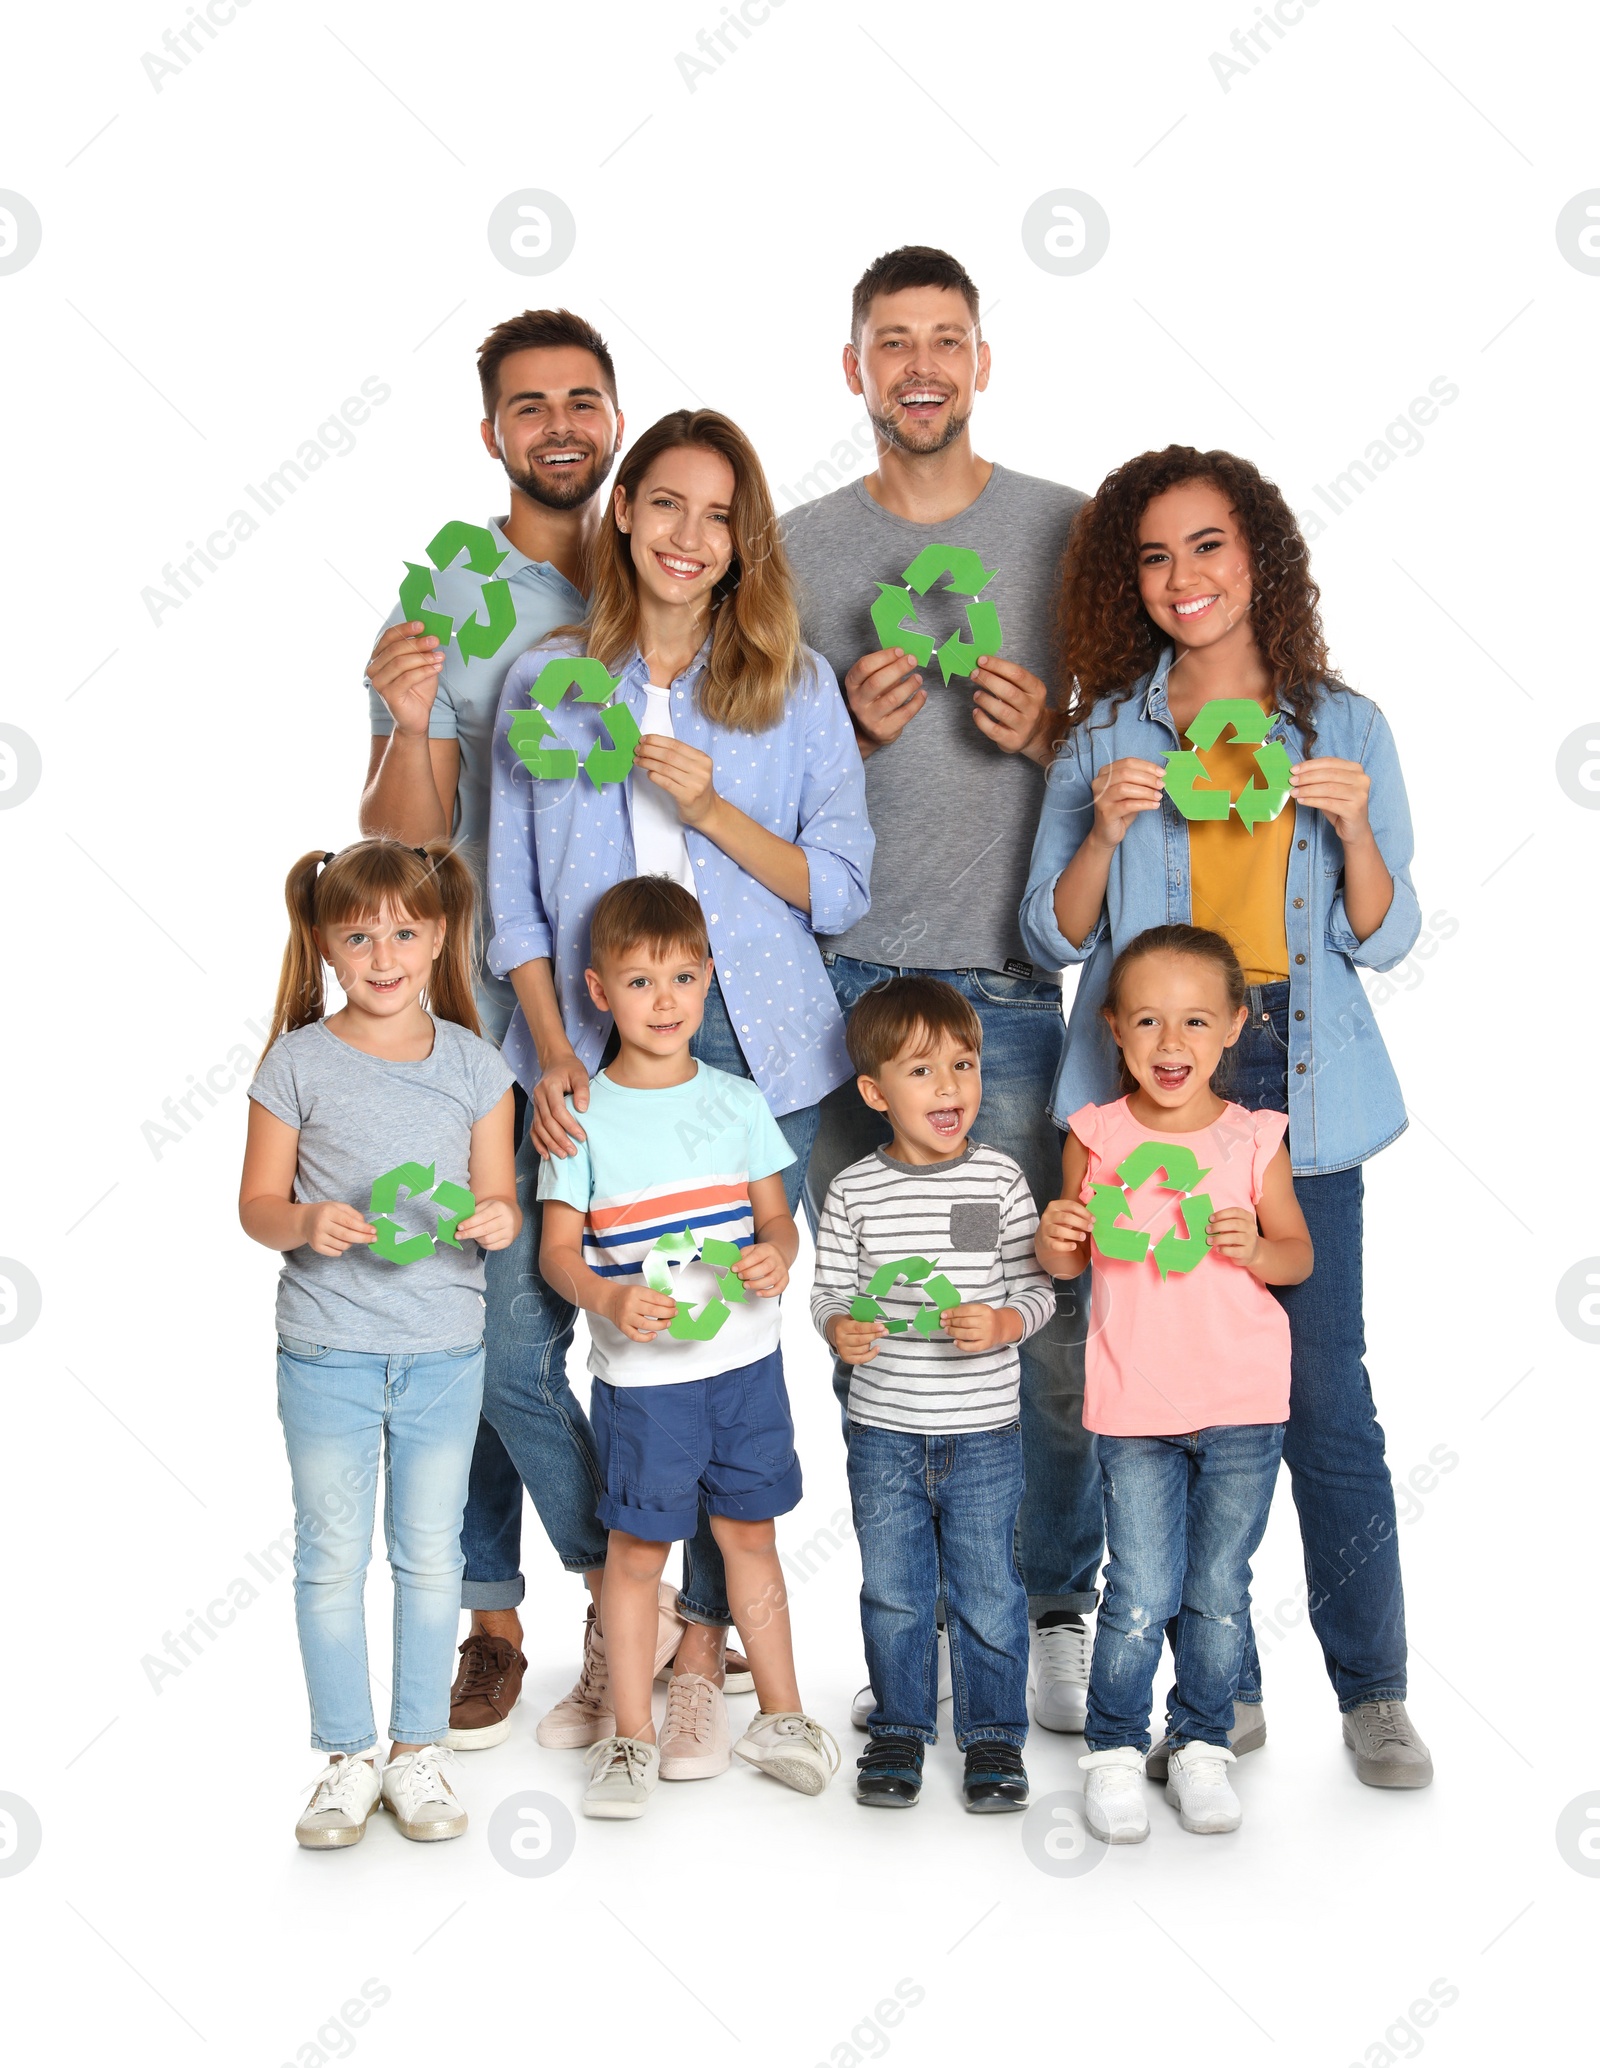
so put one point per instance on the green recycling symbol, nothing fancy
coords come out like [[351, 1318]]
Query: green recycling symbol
[[416, 1181], [965, 575], [531, 729], [687, 1248], [937, 1292], [1262, 801], [476, 639], [1112, 1203]]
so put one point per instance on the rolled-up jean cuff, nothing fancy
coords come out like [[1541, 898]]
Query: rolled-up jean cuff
[[1076, 1604], [1394, 1692], [693, 1612], [492, 1594]]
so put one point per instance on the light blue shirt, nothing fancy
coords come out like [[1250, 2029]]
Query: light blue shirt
[[556, 845], [464, 710], [1344, 1099]]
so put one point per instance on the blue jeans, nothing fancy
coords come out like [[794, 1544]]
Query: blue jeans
[[936, 1521], [534, 1433], [1183, 1516], [339, 1409], [1059, 1529], [1333, 1445]]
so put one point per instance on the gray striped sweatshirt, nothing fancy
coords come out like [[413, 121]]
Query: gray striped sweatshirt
[[971, 1223]]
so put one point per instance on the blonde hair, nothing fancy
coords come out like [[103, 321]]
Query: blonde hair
[[358, 883], [755, 627]]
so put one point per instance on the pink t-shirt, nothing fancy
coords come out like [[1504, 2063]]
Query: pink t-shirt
[[1203, 1348]]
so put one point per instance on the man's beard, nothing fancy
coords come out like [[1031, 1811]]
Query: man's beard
[[566, 488], [914, 438]]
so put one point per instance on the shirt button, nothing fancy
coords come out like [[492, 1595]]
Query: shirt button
[[1299, 843], [1298, 903], [1299, 958], [1299, 1069]]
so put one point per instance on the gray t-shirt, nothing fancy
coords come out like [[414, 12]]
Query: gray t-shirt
[[953, 816], [360, 1117]]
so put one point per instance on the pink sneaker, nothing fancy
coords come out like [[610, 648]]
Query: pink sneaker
[[585, 1716], [695, 1741]]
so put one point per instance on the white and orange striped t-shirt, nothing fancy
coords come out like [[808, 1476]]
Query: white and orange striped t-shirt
[[655, 1163]]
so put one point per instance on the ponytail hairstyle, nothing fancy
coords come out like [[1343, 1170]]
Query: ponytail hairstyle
[[369, 880], [1200, 944]]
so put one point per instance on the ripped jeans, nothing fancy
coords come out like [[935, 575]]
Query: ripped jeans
[[1184, 1515]]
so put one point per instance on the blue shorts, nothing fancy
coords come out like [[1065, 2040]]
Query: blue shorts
[[727, 1440]]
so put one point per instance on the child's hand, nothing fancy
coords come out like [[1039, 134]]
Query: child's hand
[[854, 1342], [1232, 1233], [1064, 1226], [972, 1328], [332, 1227], [491, 1226], [640, 1313], [760, 1270]]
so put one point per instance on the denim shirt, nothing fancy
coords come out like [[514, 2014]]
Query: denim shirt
[[1344, 1099], [555, 846]]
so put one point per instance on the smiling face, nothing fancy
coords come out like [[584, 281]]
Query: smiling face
[[657, 996], [679, 527], [931, 1095], [1172, 1021], [918, 364], [555, 427], [1194, 566], [383, 963]]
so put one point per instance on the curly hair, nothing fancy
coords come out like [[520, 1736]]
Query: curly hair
[[1104, 638]]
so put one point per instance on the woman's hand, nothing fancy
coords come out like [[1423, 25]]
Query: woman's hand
[[762, 1271], [332, 1228], [491, 1224], [1339, 790], [683, 772], [1122, 790], [554, 1129]]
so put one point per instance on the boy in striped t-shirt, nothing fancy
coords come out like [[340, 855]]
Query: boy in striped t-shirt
[[926, 1282], [679, 1165]]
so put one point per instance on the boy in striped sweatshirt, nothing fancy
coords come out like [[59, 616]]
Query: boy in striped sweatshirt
[[926, 1282], [679, 1166]]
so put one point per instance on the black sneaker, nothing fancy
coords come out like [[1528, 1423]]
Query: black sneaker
[[995, 1778], [889, 1773]]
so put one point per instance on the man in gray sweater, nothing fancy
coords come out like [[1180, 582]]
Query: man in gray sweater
[[930, 586]]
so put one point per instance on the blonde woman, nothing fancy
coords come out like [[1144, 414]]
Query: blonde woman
[[747, 789]]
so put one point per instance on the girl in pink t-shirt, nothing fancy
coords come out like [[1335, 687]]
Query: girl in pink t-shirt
[[1187, 1205]]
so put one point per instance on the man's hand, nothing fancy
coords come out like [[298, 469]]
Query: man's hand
[[975, 1327], [331, 1228], [884, 692], [404, 670], [1009, 707], [640, 1313], [554, 1129], [683, 772], [852, 1341], [762, 1271], [491, 1224]]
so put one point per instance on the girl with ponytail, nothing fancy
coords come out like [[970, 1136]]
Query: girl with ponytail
[[380, 1165]]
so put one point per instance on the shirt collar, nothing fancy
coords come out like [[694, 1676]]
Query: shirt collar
[[636, 675], [1155, 696], [516, 563]]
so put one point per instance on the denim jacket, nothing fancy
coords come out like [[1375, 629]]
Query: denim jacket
[[554, 846], [1344, 1099]]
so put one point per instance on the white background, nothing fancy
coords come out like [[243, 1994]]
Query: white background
[[1294, 256]]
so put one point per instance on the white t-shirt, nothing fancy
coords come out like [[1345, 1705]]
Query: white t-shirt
[[659, 848]]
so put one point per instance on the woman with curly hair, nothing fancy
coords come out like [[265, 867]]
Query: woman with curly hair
[[1186, 581]]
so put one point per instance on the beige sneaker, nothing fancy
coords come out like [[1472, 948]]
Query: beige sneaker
[[793, 1748], [344, 1797], [585, 1716], [623, 1774], [695, 1742]]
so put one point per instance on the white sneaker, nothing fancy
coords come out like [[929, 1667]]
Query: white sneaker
[[420, 1798], [343, 1798], [622, 1777], [1113, 1795], [865, 1701], [1061, 1675], [1199, 1789], [793, 1748]]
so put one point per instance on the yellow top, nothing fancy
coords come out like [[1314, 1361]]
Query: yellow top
[[1236, 877]]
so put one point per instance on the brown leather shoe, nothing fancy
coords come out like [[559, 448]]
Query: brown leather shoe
[[488, 1684]]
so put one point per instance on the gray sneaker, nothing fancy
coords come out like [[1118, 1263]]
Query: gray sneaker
[[1249, 1734], [623, 1774], [1389, 1754]]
